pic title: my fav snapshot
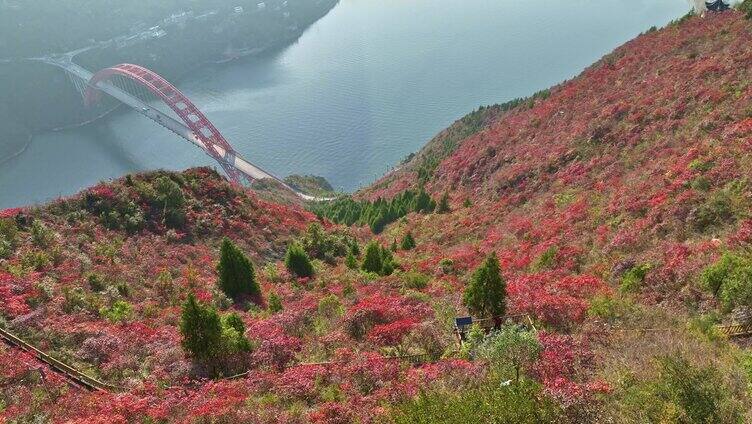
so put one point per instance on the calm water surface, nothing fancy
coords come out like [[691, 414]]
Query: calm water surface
[[362, 88]]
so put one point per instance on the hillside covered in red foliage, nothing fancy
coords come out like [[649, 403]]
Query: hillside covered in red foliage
[[616, 205]]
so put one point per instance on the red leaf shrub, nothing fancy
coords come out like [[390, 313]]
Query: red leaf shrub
[[555, 300], [331, 413], [365, 372], [391, 334], [563, 363], [300, 382]]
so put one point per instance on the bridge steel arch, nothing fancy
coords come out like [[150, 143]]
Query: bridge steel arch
[[202, 128]]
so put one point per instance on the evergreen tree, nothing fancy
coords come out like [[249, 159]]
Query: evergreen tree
[[172, 202], [387, 262], [372, 260], [297, 262], [394, 245], [201, 329], [423, 202], [408, 242], [237, 277], [355, 249], [378, 223], [467, 203], [485, 294], [443, 206], [274, 303], [350, 261], [233, 335]]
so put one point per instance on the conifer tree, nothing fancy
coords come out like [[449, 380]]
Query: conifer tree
[[485, 294], [443, 206], [350, 261], [387, 262], [171, 201], [423, 202], [408, 242], [297, 261], [372, 260], [237, 277], [201, 329], [274, 303]]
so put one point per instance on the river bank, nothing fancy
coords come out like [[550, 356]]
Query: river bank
[[356, 93], [40, 98]]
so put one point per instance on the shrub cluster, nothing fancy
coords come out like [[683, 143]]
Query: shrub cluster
[[8, 230], [730, 280], [209, 338], [379, 213], [378, 259], [297, 261], [328, 246]]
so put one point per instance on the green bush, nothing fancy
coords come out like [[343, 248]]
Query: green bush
[[327, 246], [375, 214], [511, 349], [208, 337], [372, 260], [297, 261], [237, 277], [746, 7], [74, 300], [170, 201], [546, 260], [447, 266], [443, 206], [485, 294], [165, 287], [714, 276], [330, 307], [274, 303], [681, 392], [721, 207], [8, 231], [632, 280], [128, 217], [730, 279], [350, 261], [488, 403], [120, 311], [41, 235], [737, 291], [96, 282], [415, 280], [201, 329], [609, 308], [36, 260], [408, 242], [387, 262]]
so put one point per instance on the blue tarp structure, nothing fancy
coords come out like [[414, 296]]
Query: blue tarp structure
[[717, 5]]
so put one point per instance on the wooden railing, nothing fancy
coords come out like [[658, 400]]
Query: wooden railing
[[73, 375], [735, 330]]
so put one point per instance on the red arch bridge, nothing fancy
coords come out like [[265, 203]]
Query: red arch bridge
[[154, 97]]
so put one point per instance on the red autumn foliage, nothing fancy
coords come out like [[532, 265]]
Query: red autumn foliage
[[555, 300]]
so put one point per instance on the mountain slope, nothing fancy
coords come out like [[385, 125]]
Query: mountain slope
[[641, 158], [606, 200]]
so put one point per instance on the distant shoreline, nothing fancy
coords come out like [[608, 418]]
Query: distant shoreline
[[258, 51]]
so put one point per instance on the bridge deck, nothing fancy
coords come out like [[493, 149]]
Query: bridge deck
[[247, 168]]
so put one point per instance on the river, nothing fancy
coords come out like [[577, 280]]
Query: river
[[363, 87]]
